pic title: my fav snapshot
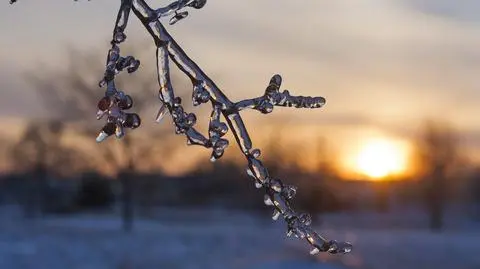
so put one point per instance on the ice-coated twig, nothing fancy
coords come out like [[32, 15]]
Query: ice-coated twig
[[273, 97], [277, 194]]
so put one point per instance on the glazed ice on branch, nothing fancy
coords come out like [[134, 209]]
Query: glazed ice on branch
[[225, 113]]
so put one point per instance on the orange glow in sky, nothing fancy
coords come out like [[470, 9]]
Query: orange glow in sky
[[379, 158]]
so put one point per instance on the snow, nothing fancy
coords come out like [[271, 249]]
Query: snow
[[218, 239]]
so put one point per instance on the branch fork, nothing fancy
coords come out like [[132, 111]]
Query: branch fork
[[113, 105]]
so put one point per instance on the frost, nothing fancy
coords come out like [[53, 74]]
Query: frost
[[115, 102]]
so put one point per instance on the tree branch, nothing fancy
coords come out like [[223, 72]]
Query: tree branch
[[277, 194]]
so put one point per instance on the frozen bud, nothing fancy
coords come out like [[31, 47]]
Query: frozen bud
[[276, 185], [197, 4], [177, 17], [305, 218], [222, 128], [178, 130], [177, 101], [274, 85], [250, 173], [162, 111], [221, 144], [218, 127], [204, 96], [294, 227], [289, 192], [255, 153], [259, 171], [102, 83], [109, 128], [132, 120], [335, 247], [266, 108], [119, 131], [216, 155], [199, 94], [119, 37], [100, 114], [191, 119], [267, 200], [104, 103], [126, 102], [133, 66], [276, 215], [101, 137]]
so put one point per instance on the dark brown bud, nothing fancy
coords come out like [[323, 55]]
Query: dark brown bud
[[109, 128], [104, 103], [132, 121], [126, 102]]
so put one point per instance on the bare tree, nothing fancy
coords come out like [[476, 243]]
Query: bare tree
[[40, 152], [439, 156]]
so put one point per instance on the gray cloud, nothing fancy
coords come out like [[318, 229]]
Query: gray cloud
[[463, 11], [375, 61]]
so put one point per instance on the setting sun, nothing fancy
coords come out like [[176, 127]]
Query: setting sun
[[379, 158]]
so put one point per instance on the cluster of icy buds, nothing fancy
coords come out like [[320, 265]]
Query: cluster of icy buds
[[113, 105], [279, 196]]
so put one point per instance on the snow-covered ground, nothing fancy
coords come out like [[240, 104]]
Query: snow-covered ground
[[217, 239]]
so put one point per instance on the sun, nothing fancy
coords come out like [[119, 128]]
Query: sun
[[380, 158]]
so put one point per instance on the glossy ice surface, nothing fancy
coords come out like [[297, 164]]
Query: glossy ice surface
[[113, 105]]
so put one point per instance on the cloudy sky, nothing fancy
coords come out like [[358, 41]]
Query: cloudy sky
[[383, 65]]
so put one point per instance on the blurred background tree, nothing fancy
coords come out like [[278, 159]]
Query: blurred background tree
[[71, 95], [439, 162]]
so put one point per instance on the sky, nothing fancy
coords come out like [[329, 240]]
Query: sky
[[384, 66]]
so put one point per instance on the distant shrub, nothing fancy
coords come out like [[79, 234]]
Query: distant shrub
[[95, 192]]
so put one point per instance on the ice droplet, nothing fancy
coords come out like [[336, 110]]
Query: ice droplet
[[259, 171], [255, 153], [275, 185], [104, 104], [100, 114], [119, 37], [305, 218], [178, 16], [289, 192], [267, 200], [132, 120], [276, 215], [119, 131], [314, 251], [250, 173], [339, 247], [198, 4], [126, 102], [162, 111], [295, 228], [101, 137]]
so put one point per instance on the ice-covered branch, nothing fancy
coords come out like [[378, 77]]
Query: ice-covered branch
[[273, 97], [184, 122], [277, 194]]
